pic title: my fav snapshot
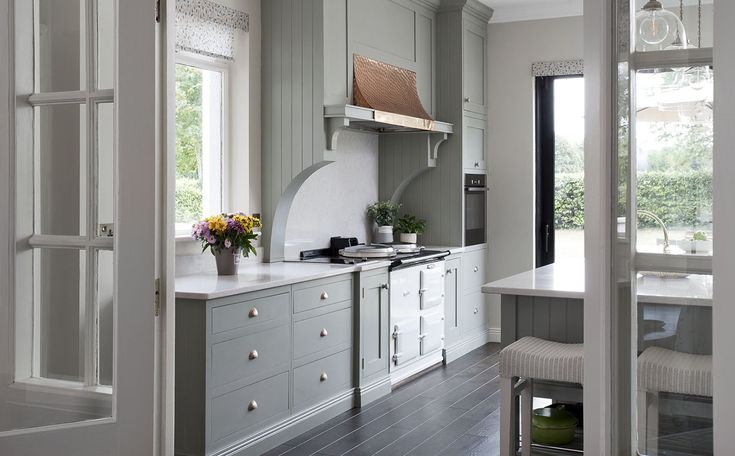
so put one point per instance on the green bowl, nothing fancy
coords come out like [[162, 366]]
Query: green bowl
[[552, 426]]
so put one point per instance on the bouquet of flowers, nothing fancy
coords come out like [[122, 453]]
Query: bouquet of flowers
[[227, 231]]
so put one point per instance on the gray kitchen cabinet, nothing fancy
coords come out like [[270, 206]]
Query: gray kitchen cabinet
[[257, 369], [475, 150], [452, 297], [372, 368], [474, 62]]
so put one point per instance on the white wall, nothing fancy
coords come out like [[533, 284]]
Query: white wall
[[333, 200], [512, 48]]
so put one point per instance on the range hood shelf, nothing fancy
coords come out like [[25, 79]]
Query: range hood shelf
[[353, 117]]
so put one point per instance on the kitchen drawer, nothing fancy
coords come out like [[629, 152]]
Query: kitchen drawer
[[250, 313], [322, 333], [474, 312], [322, 294], [320, 380], [250, 356], [253, 406], [473, 269]]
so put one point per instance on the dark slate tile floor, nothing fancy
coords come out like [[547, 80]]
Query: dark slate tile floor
[[452, 410]]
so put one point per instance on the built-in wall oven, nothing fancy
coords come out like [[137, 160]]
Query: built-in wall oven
[[475, 207]]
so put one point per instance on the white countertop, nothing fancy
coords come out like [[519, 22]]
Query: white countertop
[[566, 280], [261, 276]]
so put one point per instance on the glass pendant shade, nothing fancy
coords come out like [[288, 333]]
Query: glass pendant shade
[[658, 29]]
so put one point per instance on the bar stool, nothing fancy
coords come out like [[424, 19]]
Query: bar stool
[[522, 362], [663, 370]]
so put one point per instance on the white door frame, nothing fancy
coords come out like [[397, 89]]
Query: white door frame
[[602, 436], [131, 431], [723, 263]]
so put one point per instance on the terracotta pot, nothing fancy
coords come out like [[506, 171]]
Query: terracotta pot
[[228, 261]]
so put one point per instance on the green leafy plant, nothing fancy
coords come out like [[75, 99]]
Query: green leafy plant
[[383, 212], [699, 236], [410, 224]]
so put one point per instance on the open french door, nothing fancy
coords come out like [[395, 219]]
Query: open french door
[[78, 243]]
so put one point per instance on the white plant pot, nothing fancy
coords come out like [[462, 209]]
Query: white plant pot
[[384, 234], [408, 238]]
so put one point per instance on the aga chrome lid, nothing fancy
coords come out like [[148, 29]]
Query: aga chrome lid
[[368, 251]]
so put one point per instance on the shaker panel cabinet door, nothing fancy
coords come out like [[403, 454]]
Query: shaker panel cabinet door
[[452, 294], [374, 323], [473, 149], [475, 45]]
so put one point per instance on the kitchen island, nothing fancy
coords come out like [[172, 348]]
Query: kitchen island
[[548, 302]]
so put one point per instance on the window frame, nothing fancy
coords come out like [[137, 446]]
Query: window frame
[[224, 68]]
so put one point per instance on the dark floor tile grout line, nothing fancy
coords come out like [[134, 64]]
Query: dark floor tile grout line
[[448, 424], [404, 402]]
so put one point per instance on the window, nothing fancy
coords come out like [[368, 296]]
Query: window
[[200, 140], [559, 169]]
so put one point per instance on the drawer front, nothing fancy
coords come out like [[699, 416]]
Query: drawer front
[[248, 407], [474, 312], [321, 295], [320, 380], [473, 269], [249, 356], [322, 333], [250, 313]]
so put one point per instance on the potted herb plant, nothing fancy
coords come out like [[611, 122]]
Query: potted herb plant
[[227, 236], [383, 213], [410, 227]]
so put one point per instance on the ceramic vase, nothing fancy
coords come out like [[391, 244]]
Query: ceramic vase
[[228, 260], [408, 238], [384, 234]]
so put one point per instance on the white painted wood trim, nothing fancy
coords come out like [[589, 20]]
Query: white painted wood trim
[[724, 209], [598, 39]]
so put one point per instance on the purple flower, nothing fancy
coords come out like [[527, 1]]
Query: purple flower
[[228, 243]]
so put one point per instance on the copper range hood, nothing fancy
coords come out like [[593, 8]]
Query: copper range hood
[[386, 99]]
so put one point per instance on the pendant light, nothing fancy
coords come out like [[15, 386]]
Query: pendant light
[[657, 28]]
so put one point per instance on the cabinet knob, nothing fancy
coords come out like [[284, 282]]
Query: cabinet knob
[[477, 164], [467, 100], [323, 377], [323, 333], [385, 286], [475, 311], [253, 313], [475, 269], [252, 406], [253, 354], [449, 271], [324, 296]]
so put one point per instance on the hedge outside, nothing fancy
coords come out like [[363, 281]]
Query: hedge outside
[[677, 198], [188, 200]]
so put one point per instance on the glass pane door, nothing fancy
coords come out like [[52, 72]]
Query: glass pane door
[[664, 225]]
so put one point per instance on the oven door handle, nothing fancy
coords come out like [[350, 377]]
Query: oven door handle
[[476, 189]]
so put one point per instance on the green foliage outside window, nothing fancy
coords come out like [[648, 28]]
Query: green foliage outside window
[[188, 144]]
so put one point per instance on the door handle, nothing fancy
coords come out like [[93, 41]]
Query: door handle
[[547, 233]]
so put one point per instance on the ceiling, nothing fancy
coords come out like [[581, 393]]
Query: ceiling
[[524, 10]]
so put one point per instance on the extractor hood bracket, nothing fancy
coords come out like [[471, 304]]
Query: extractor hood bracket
[[335, 126]]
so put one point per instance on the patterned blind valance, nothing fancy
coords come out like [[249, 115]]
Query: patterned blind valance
[[208, 28], [558, 68]]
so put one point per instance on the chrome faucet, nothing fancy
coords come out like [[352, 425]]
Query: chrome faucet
[[661, 224]]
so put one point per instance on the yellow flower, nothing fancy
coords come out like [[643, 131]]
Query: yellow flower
[[217, 224]]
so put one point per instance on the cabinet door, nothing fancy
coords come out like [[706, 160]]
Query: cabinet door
[[473, 149], [452, 293], [374, 332], [473, 312], [475, 69]]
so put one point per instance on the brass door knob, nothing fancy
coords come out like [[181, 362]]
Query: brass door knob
[[323, 333], [253, 313], [252, 406], [253, 354], [323, 377], [324, 296]]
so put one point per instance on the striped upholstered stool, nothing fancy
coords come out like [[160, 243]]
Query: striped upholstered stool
[[521, 363], [662, 370]]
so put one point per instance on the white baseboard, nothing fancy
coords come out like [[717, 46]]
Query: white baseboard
[[494, 335]]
